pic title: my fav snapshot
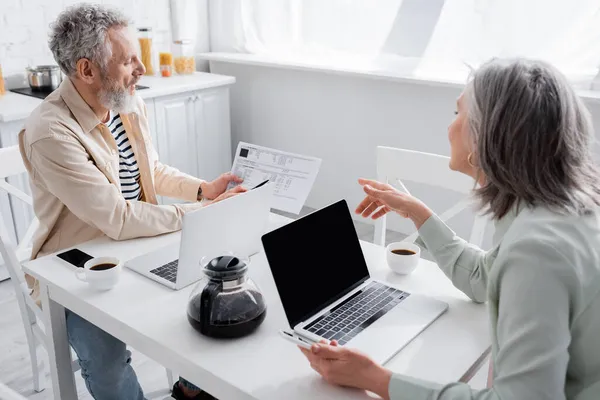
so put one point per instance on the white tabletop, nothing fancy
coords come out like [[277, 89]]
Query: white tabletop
[[152, 318], [15, 106]]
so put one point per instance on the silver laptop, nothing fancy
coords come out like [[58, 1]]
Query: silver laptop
[[327, 292], [232, 225]]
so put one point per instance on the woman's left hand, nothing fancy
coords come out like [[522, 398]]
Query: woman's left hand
[[346, 367]]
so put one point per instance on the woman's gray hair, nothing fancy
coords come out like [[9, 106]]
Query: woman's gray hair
[[532, 137], [81, 32]]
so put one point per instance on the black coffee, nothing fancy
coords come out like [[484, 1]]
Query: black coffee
[[102, 267], [232, 316], [404, 252], [226, 329]]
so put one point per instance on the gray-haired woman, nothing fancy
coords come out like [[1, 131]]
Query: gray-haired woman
[[525, 137]]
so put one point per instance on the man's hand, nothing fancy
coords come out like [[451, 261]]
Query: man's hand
[[230, 193], [212, 190], [347, 367]]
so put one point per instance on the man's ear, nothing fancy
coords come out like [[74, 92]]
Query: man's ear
[[86, 71]]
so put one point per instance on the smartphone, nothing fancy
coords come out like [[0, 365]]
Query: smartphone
[[260, 184], [297, 340], [75, 257]]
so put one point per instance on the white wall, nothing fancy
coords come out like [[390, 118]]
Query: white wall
[[342, 119], [24, 27]]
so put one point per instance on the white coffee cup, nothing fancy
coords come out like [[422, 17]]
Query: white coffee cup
[[403, 263], [100, 279]]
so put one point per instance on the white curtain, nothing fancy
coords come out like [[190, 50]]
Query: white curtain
[[330, 32], [457, 34], [469, 32]]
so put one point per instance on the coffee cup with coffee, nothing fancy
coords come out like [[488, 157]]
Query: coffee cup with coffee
[[101, 273], [403, 257]]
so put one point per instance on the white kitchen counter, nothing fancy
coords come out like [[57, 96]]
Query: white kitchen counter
[[14, 106]]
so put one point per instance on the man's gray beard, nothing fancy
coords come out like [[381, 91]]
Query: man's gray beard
[[115, 98]]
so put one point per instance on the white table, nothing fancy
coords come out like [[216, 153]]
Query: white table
[[152, 319]]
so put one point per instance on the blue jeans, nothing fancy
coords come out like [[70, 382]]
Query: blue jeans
[[105, 362]]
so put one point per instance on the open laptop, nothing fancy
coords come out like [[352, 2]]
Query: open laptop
[[327, 293], [232, 225]]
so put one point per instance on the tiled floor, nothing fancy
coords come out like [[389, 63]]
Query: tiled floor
[[15, 370]]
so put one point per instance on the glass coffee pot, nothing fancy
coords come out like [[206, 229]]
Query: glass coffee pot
[[226, 303]]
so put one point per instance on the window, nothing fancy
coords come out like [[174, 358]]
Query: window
[[445, 38]]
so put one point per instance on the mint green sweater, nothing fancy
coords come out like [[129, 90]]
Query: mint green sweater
[[541, 281]]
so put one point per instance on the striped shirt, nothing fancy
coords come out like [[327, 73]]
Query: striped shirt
[[129, 173]]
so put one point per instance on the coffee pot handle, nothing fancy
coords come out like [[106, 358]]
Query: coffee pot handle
[[210, 291]]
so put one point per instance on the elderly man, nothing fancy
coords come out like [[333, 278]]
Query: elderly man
[[94, 172]]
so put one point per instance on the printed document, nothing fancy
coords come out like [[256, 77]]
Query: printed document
[[292, 174]]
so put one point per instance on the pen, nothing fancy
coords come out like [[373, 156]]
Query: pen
[[260, 184]]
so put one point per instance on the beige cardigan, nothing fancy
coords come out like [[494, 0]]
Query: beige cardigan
[[73, 165]]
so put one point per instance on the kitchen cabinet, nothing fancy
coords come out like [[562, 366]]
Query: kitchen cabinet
[[175, 134], [213, 133], [193, 133], [189, 124]]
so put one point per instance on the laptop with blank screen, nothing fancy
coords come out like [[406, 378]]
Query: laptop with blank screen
[[327, 292]]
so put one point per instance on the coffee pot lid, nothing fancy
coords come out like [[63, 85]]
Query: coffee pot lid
[[226, 267]]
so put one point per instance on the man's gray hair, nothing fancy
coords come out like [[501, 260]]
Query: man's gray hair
[[532, 137], [81, 32]]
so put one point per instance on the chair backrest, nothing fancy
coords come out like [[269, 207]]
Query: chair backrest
[[11, 164], [13, 255], [397, 165], [8, 251]]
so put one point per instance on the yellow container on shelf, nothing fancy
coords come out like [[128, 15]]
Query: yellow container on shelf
[[146, 52], [185, 65], [183, 57], [166, 64], [2, 87]]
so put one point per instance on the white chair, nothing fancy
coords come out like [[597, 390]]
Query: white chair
[[11, 164], [395, 165]]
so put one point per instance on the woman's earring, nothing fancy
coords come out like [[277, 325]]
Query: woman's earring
[[471, 161]]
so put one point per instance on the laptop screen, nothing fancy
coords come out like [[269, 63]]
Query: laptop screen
[[315, 260]]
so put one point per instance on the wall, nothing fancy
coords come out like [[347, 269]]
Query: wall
[[24, 26], [342, 119]]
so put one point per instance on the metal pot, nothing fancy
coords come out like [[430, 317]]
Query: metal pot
[[44, 77]]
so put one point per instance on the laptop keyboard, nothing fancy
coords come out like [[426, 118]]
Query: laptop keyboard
[[167, 271], [347, 320]]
